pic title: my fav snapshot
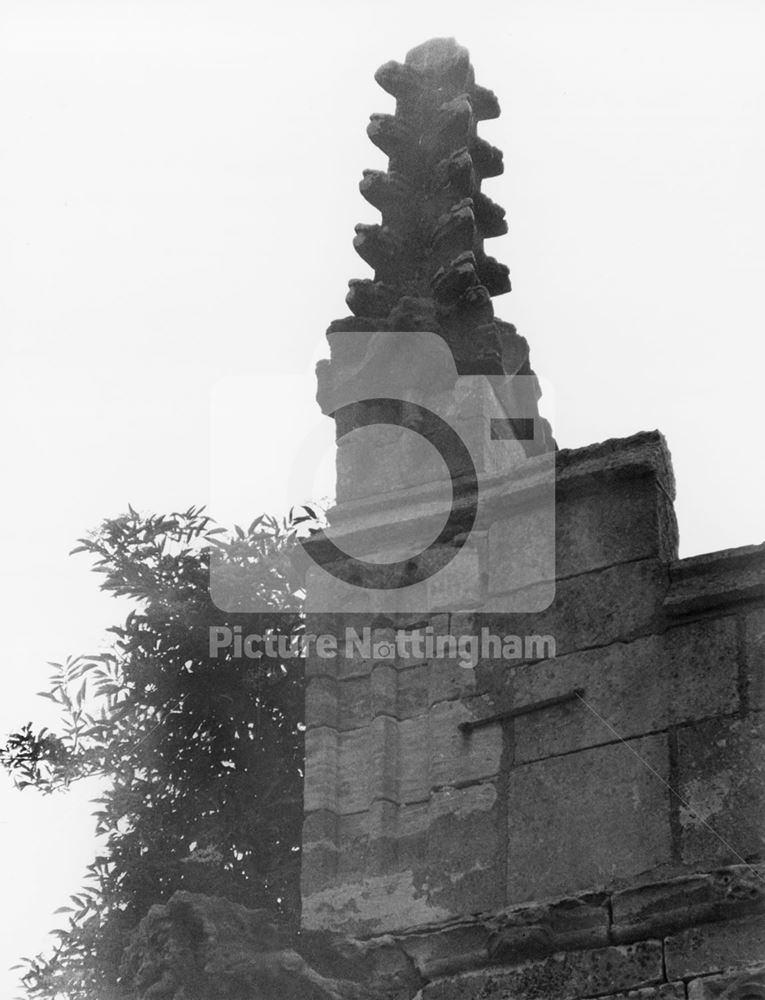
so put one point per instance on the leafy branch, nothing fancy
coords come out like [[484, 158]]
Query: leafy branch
[[202, 757]]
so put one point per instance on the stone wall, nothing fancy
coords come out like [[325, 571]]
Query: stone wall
[[634, 809]]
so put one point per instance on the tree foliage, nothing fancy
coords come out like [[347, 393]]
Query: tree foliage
[[202, 756]]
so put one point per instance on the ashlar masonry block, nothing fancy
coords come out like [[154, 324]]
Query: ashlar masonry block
[[593, 529], [747, 984], [403, 866], [588, 819], [662, 908], [715, 947], [721, 783], [569, 974], [688, 673], [616, 604]]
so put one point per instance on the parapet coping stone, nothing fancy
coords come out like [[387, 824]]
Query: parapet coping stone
[[714, 580], [577, 471]]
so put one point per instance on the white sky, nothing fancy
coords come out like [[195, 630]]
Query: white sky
[[178, 194]]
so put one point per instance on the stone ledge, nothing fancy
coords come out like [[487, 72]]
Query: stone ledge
[[716, 580], [645, 452], [538, 930], [665, 907], [510, 936]]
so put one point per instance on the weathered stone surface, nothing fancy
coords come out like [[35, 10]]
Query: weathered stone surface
[[354, 771], [322, 831], [533, 931], [377, 904], [603, 466], [522, 550], [351, 641], [717, 579], [433, 751], [559, 977], [604, 461], [508, 938], [515, 935], [448, 949], [589, 819], [456, 757], [754, 659], [385, 690], [460, 584], [614, 522], [204, 947], [354, 701], [616, 604], [413, 691], [383, 764], [320, 786], [449, 679], [465, 866], [321, 702], [374, 461], [430, 861], [715, 947], [401, 761], [747, 985], [664, 991], [721, 783], [690, 672], [663, 907]]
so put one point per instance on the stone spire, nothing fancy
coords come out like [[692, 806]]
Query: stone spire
[[431, 271]]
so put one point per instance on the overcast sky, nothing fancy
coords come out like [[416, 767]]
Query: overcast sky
[[178, 194]]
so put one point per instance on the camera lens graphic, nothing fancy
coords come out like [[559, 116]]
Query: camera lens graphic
[[458, 525]]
